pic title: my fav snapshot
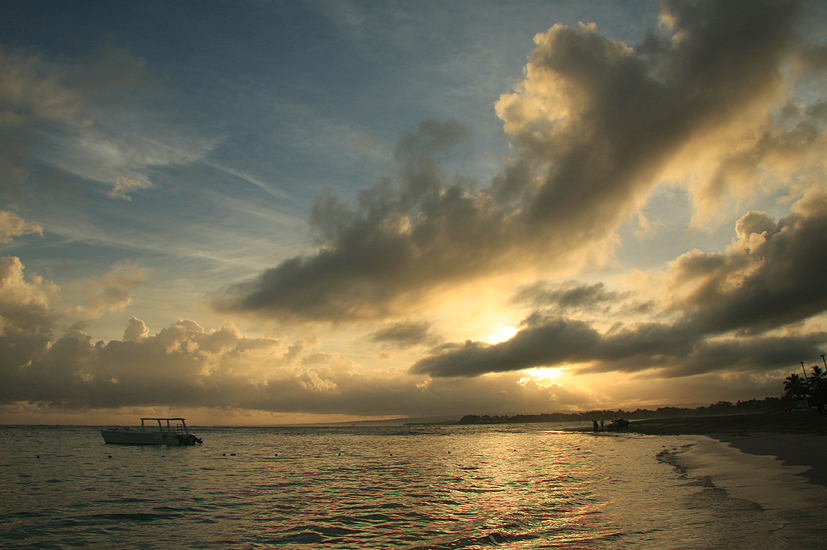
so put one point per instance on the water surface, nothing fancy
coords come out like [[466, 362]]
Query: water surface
[[451, 487]]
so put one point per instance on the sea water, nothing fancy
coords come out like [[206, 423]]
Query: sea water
[[413, 487]]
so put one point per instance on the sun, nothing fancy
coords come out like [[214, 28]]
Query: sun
[[543, 375], [500, 333]]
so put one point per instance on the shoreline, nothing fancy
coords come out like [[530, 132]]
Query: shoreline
[[791, 503], [801, 423], [794, 438], [774, 460]]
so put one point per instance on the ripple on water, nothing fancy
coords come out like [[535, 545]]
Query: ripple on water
[[451, 487]]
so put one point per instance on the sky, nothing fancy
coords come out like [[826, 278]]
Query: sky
[[272, 212]]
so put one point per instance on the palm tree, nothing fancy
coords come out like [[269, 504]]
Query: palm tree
[[795, 386], [817, 382]]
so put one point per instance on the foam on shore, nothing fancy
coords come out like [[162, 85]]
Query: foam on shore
[[795, 507]]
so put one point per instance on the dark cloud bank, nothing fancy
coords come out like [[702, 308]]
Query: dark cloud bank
[[598, 125], [771, 279]]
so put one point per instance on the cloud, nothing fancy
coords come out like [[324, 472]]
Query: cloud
[[612, 121], [72, 114], [135, 331], [597, 126], [12, 225], [406, 334], [111, 292], [124, 186], [671, 351], [386, 253], [31, 95], [770, 277], [26, 321], [34, 302], [31, 98], [730, 308], [120, 149], [185, 365], [569, 295], [549, 343]]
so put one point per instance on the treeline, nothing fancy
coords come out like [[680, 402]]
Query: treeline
[[753, 406]]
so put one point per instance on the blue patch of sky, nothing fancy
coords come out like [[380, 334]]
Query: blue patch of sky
[[288, 90], [269, 75]]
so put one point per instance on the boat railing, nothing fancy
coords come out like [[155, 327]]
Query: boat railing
[[165, 425]]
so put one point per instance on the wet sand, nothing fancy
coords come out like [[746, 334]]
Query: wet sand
[[795, 438], [791, 499], [776, 461]]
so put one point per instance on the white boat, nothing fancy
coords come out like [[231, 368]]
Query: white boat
[[165, 433]]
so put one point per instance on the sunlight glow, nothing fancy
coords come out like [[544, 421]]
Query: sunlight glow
[[500, 333], [543, 375]]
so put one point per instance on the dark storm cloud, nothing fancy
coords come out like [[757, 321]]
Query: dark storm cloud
[[675, 350], [787, 284], [568, 295], [547, 343], [747, 355], [404, 335], [552, 341], [771, 278], [596, 122], [380, 256]]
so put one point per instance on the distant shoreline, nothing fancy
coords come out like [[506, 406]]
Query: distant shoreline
[[719, 409], [794, 422]]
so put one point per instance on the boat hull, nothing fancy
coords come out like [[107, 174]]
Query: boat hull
[[138, 437]]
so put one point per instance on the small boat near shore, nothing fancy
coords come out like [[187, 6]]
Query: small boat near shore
[[169, 431]]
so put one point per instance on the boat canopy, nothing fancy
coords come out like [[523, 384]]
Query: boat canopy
[[168, 427]]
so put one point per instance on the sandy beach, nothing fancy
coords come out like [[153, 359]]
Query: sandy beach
[[774, 460], [795, 438]]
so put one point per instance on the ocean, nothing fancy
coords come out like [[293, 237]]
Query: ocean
[[411, 487]]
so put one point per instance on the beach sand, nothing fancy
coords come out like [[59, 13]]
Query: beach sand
[[776, 460], [792, 505], [797, 439]]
